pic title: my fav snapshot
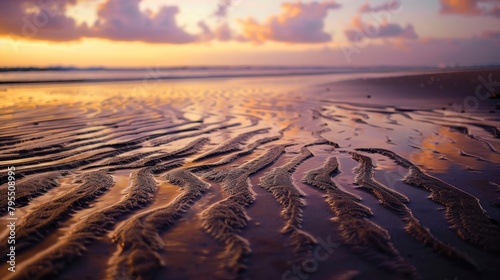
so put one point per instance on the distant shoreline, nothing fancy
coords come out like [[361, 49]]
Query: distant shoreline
[[204, 73]]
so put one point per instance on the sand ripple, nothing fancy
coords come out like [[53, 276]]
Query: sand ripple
[[118, 172]]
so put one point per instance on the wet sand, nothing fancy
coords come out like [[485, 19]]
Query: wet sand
[[391, 176]]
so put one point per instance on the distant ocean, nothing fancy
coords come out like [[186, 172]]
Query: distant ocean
[[79, 75]]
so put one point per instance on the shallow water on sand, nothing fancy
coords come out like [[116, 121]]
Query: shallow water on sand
[[224, 179]]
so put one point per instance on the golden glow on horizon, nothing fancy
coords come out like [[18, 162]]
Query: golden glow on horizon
[[101, 52]]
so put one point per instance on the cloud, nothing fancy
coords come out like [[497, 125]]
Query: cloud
[[297, 23], [120, 20], [376, 29], [428, 52], [41, 20], [387, 6], [431, 52], [123, 20], [223, 6], [221, 32], [471, 7], [494, 35]]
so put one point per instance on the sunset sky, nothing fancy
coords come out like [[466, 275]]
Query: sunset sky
[[135, 33]]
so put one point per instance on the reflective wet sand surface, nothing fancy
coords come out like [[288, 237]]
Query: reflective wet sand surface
[[248, 178]]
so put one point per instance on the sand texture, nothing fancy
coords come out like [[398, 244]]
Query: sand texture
[[254, 178]]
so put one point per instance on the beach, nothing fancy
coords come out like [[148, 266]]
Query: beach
[[375, 175]]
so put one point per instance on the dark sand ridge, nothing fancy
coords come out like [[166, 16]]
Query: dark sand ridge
[[397, 203], [30, 188], [148, 159], [116, 150], [128, 264], [139, 238], [231, 145], [365, 237], [95, 226], [226, 218], [278, 181], [199, 139], [85, 233], [47, 216], [463, 211]]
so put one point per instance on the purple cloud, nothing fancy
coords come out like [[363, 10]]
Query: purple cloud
[[373, 30], [223, 6], [39, 20], [494, 35], [122, 20], [117, 20], [221, 32]]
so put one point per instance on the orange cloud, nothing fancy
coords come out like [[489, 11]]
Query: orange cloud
[[471, 7], [297, 23]]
